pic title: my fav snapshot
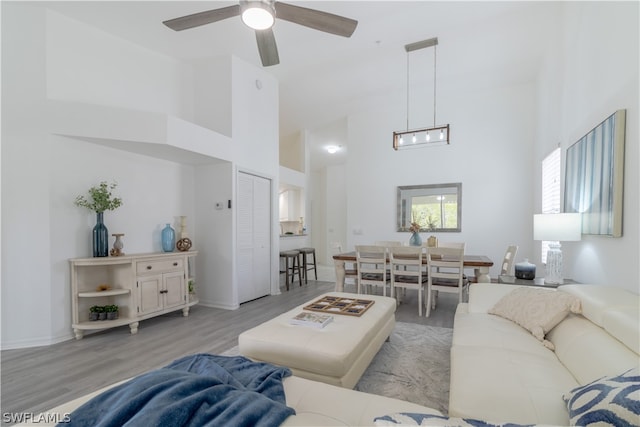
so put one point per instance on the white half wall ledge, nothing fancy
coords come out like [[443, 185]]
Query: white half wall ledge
[[143, 132]]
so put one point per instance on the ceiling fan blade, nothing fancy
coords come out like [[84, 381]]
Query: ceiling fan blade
[[323, 21], [267, 47], [202, 18]]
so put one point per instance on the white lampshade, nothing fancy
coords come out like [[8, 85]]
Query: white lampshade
[[562, 227]]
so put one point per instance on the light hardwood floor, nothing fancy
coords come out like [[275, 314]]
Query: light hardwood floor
[[37, 379]]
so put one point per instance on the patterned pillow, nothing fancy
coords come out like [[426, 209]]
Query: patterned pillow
[[536, 310], [611, 401], [414, 419]]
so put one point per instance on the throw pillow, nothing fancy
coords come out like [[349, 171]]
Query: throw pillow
[[536, 310], [611, 401], [415, 419]]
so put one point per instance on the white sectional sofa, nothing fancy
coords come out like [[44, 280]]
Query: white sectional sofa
[[501, 372]]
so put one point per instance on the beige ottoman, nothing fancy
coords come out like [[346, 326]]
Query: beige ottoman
[[337, 354]]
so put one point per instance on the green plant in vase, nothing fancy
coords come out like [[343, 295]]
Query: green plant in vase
[[102, 314], [112, 311], [100, 198], [93, 313]]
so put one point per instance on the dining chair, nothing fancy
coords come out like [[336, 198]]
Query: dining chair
[[371, 262], [350, 268], [507, 262], [407, 271], [388, 243], [445, 269], [458, 245]]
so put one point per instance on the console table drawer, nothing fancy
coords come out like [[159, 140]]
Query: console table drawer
[[159, 266]]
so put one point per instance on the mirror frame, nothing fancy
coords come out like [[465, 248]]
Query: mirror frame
[[401, 202]]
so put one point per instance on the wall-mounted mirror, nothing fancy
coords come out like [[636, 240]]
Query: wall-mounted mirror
[[435, 207]]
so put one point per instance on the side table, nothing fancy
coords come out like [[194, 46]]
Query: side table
[[538, 281]]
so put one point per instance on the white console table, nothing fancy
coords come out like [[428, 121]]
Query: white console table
[[141, 285]]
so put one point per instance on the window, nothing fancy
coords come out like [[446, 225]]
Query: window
[[550, 190]]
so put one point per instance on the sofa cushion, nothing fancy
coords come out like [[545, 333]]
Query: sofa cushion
[[483, 296], [596, 299], [608, 401], [624, 324], [537, 310], [576, 337], [416, 419], [508, 385], [320, 404], [482, 330]]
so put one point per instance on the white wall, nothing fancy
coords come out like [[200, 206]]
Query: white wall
[[87, 65], [215, 238], [591, 73], [26, 244], [42, 173], [490, 151]]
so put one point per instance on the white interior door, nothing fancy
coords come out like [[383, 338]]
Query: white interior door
[[253, 236]]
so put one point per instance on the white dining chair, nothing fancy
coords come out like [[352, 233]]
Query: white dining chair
[[445, 269], [407, 272], [508, 260], [350, 268], [371, 262]]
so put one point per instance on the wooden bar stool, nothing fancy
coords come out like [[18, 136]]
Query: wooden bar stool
[[292, 268], [306, 264]]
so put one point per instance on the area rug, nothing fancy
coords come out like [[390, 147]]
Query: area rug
[[413, 366]]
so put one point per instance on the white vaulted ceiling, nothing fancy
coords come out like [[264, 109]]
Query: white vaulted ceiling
[[322, 76]]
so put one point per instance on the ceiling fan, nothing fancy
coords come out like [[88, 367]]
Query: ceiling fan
[[260, 15]]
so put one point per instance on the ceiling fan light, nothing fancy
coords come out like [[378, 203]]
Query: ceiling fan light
[[258, 16]]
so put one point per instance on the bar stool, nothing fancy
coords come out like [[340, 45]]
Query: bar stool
[[294, 256], [306, 252]]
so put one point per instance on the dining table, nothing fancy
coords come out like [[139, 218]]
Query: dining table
[[480, 264]]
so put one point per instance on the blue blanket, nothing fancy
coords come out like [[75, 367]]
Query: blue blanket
[[198, 390]]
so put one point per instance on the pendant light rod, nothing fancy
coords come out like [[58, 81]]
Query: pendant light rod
[[407, 91], [434, 82]]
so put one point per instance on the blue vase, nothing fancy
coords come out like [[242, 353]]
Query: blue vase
[[168, 239], [100, 237], [415, 240]]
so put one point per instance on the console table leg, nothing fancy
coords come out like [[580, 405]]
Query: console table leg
[[79, 334], [185, 311]]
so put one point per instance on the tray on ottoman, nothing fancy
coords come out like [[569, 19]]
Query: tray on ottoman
[[340, 305]]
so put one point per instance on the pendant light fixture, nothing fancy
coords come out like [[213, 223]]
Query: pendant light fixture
[[428, 136]]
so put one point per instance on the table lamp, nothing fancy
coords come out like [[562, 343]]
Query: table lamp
[[555, 228]]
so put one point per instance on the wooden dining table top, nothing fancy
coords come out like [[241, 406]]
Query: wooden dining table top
[[469, 260]]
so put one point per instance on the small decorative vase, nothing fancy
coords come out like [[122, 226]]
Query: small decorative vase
[[432, 242], [117, 245], [112, 315], [93, 317], [415, 239], [168, 239], [100, 237], [183, 227], [525, 270]]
